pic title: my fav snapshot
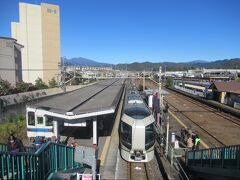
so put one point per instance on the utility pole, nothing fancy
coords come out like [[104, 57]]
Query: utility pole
[[160, 94], [63, 76], [143, 80]]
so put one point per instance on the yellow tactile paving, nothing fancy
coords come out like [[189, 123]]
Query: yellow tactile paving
[[105, 150]]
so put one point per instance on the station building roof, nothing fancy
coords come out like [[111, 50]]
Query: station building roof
[[229, 86], [96, 99]]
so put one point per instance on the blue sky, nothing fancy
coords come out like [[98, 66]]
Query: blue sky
[[125, 31]]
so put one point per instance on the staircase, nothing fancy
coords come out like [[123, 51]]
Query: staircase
[[42, 164], [215, 163]]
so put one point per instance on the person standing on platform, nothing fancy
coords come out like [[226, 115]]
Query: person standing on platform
[[189, 142], [197, 142], [13, 144], [193, 140]]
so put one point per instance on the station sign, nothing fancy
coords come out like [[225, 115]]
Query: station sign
[[86, 176]]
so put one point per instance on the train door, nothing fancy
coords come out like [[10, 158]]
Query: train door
[[40, 123], [31, 124]]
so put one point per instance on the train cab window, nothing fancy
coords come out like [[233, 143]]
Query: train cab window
[[149, 136], [137, 112], [40, 120], [49, 120], [31, 118], [126, 135]]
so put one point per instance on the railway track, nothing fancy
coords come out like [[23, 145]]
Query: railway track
[[217, 142], [224, 115], [209, 123], [137, 171], [215, 128]]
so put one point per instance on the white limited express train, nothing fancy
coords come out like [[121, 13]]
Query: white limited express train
[[137, 129]]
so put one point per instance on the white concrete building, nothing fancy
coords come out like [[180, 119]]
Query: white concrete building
[[38, 30]]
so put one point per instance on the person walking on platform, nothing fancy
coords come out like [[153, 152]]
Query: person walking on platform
[[197, 142], [189, 142]]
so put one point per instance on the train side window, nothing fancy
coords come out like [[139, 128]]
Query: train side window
[[31, 118], [40, 120], [49, 120]]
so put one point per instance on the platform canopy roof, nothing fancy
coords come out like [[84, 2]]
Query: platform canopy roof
[[97, 99]]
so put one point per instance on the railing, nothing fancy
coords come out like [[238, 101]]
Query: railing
[[50, 158], [224, 157], [172, 155], [3, 147]]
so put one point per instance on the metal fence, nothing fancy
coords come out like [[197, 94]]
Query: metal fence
[[3, 147]]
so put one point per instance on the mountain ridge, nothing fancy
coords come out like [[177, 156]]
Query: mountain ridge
[[170, 66]]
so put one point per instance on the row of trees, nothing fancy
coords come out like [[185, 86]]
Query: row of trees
[[6, 88]]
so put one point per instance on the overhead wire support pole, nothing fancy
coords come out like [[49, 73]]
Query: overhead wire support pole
[[143, 80], [64, 78], [62, 82], [160, 94]]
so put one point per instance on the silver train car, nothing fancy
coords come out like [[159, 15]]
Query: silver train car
[[136, 130]]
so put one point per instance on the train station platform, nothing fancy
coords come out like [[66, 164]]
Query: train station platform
[[81, 108]]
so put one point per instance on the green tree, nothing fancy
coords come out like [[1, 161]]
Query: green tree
[[169, 82], [5, 87], [40, 84], [52, 83], [22, 86], [75, 81]]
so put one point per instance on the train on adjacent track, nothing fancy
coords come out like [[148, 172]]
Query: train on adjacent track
[[38, 123], [136, 129]]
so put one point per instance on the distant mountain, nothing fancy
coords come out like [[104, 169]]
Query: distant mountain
[[198, 61], [149, 66], [171, 66], [82, 62]]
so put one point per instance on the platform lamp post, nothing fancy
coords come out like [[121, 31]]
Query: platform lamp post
[[167, 134]]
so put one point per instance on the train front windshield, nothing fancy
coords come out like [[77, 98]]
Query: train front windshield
[[126, 135], [137, 112], [149, 136]]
